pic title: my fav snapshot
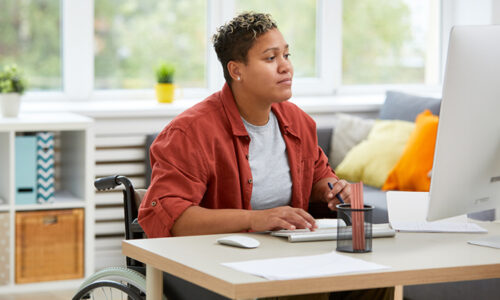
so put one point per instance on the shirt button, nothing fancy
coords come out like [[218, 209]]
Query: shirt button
[[250, 181], [153, 203]]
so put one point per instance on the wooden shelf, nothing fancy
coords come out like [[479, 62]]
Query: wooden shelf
[[63, 199]]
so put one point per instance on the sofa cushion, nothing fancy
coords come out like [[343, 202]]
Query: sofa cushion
[[401, 106], [412, 171], [350, 131], [325, 138], [372, 159], [376, 197]]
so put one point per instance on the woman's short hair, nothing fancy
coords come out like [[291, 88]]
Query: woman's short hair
[[233, 39]]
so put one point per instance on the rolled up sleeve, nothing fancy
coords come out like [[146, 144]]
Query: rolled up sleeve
[[178, 181]]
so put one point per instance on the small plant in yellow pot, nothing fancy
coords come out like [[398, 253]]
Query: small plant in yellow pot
[[165, 87]]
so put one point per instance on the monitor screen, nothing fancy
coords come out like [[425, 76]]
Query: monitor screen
[[466, 171]]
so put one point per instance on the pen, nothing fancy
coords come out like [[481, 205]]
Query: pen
[[330, 185]]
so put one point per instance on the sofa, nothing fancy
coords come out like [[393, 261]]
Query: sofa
[[397, 106], [401, 106]]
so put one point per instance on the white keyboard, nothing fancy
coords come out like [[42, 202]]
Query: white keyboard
[[326, 234]]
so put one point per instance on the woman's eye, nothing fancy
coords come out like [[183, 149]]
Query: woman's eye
[[271, 58], [287, 55]]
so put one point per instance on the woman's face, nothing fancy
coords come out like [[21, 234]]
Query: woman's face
[[268, 73]]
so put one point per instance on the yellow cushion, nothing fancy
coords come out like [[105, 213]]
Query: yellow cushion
[[371, 160], [411, 173]]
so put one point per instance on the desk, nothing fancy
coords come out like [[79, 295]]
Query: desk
[[414, 258]]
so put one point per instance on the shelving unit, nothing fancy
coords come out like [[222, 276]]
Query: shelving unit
[[74, 178]]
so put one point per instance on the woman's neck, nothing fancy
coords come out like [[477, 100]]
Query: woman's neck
[[253, 110]]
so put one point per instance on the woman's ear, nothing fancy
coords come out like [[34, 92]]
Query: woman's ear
[[234, 69]]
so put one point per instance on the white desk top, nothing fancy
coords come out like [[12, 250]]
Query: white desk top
[[414, 258]]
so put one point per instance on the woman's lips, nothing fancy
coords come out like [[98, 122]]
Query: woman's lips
[[287, 81]]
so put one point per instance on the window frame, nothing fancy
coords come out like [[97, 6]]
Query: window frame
[[77, 42]]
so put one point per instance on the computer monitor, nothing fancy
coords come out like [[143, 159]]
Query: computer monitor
[[466, 171]]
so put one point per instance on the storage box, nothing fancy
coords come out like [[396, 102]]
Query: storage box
[[49, 245], [4, 248], [25, 169]]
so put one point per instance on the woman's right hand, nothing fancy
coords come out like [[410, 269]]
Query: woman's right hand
[[283, 217]]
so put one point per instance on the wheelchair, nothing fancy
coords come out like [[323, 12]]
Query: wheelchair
[[130, 282], [119, 282]]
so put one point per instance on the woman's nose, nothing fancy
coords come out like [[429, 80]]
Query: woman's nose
[[285, 66]]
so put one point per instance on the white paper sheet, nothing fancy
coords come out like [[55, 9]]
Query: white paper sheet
[[304, 266], [408, 211]]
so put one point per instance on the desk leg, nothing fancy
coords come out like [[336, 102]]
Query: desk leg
[[398, 292], [154, 283]]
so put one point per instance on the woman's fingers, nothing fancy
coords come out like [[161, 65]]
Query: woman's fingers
[[311, 223], [283, 217]]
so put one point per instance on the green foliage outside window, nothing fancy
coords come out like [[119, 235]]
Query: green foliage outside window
[[374, 36], [132, 36], [30, 36]]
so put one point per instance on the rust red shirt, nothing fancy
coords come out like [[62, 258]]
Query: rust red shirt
[[201, 158]]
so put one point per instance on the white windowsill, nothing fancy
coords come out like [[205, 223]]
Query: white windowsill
[[145, 108]]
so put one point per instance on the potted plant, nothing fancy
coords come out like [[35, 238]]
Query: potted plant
[[12, 86], [164, 78]]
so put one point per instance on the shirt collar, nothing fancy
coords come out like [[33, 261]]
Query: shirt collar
[[285, 123], [232, 113]]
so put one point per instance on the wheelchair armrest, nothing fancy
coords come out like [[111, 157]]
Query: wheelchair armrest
[[135, 227]]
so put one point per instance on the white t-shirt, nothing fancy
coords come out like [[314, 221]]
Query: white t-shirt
[[272, 182]]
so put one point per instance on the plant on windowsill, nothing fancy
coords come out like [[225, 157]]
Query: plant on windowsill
[[164, 78], [12, 86]]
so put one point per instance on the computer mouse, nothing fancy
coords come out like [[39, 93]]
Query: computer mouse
[[239, 241]]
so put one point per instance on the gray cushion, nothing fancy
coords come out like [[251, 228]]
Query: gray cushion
[[324, 138], [401, 106], [376, 197]]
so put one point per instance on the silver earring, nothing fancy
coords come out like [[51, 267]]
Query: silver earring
[[239, 78]]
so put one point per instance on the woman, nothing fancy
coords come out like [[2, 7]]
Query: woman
[[244, 159]]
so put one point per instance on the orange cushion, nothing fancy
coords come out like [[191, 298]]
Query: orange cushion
[[411, 172]]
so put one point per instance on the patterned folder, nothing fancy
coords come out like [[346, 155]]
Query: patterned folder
[[45, 167]]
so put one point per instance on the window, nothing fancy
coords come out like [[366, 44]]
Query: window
[[390, 42], [30, 36], [108, 49], [297, 21], [131, 37]]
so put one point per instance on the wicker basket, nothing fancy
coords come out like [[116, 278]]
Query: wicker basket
[[49, 245]]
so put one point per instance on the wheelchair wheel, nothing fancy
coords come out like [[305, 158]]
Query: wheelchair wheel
[[107, 289], [129, 278], [113, 283], [118, 274]]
